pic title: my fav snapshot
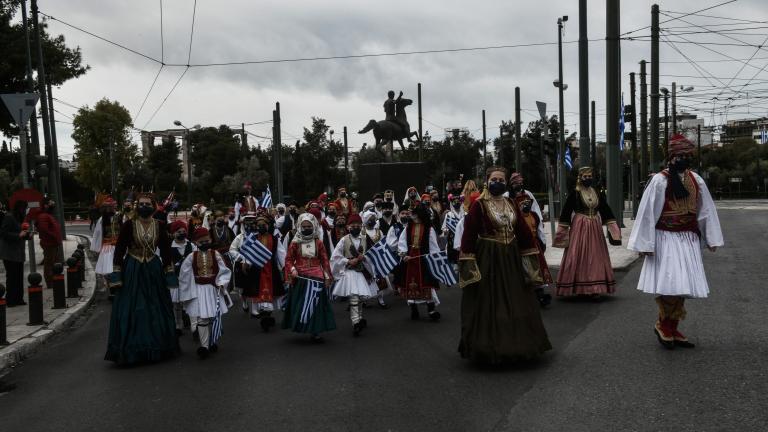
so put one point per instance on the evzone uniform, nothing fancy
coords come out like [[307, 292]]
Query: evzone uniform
[[374, 235], [105, 234], [675, 219], [181, 247], [353, 274], [203, 279]]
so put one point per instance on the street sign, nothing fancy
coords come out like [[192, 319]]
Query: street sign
[[20, 105], [735, 179], [542, 106]]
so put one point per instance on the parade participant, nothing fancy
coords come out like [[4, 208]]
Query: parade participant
[[104, 238], [460, 226], [411, 198], [248, 202], [333, 237], [221, 235], [283, 221], [368, 207], [386, 219], [417, 285], [195, 217], [389, 196], [308, 308], [204, 276], [181, 247], [261, 286], [675, 217], [451, 220], [378, 200], [352, 273], [232, 222], [373, 235], [330, 215], [437, 206], [469, 188], [586, 266], [128, 212], [248, 226], [531, 214], [343, 204], [494, 293], [142, 327], [434, 217]]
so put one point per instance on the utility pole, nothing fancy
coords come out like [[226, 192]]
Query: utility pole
[[633, 168], [34, 149], [698, 144], [278, 151], [655, 155], [485, 146], [613, 89], [346, 159], [243, 139], [518, 149], [674, 108], [54, 172], [583, 86], [593, 144], [643, 123], [666, 122], [561, 88], [421, 154], [41, 82]]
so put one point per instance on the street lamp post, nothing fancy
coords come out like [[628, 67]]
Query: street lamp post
[[561, 87], [189, 158], [665, 91]]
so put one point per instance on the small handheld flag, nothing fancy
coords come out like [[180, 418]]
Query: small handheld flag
[[254, 252], [266, 202], [381, 258], [568, 160], [440, 268]]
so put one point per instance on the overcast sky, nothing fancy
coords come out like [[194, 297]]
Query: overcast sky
[[349, 92]]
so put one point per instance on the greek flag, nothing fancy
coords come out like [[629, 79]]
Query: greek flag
[[311, 299], [440, 268], [381, 258], [216, 327], [254, 252], [568, 160], [763, 136], [266, 202], [621, 124], [451, 222]]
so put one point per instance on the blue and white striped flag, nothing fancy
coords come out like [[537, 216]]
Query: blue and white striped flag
[[440, 268], [451, 222], [621, 124], [266, 202], [382, 259], [568, 160], [764, 136], [311, 299], [254, 252], [216, 326]]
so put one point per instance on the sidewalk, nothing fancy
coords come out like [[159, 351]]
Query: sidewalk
[[621, 257], [25, 339]]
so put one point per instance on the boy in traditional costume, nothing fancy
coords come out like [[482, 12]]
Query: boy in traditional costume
[[675, 219], [105, 233], [416, 284], [181, 247]]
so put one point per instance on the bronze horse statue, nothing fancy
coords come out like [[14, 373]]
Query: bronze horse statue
[[386, 131]]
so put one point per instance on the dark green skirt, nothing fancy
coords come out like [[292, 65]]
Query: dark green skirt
[[500, 316], [308, 311], [142, 328]]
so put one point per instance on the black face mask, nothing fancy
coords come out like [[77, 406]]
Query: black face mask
[[262, 229], [181, 237], [387, 213], [232, 218], [332, 214], [126, 209], [343, 195], [219, 223], [281, 212], [293, 212], [404, 220], [250, 228], [307, 231], [587, 183], [517, 188], [389, 199], [456, 205], [355, 232], [681, 165], [145, 211], [371, 224], [527, 207], [496, 188], [204, 246]]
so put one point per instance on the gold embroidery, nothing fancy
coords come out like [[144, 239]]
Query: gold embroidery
[[144, 240], [687, 205]]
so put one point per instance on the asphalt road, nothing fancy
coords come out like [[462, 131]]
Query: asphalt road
[[606, 373]]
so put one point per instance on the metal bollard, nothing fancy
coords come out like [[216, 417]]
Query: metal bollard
[[35, 293], [59, 299], [3, 334], [73, 278], [81, 264]]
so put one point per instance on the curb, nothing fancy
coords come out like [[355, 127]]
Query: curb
[[18, 351]]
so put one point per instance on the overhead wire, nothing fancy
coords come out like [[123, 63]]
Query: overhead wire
[[682, 16]]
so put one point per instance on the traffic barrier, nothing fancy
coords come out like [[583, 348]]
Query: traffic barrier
[[73, 277], [35, 293], [3, 333], [59, 298]]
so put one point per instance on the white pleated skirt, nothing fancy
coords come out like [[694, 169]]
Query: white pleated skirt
[[204, 304], [676, 268], [104, 263], [354, 283]]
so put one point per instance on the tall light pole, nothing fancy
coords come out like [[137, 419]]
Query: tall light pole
[[188, 147], [665, 92], [561, 87]]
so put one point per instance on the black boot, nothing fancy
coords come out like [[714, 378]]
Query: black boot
[[202, 352], [433, 314], [415, 312], [266, 321]]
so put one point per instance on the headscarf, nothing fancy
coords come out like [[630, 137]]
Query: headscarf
[[368, 206], [301, 238]]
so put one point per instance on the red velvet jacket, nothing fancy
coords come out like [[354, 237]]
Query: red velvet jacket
[[477, 223], [49, 229]]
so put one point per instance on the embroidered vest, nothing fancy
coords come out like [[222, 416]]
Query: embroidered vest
[[205, 267], [144, 240], [351, 252], [680, 214]]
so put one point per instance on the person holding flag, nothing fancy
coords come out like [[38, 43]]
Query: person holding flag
[[373, 235], [204, 276], [416, 284], [500, 315], [352, 272], [308, 274], [257, 267], [450, 222]]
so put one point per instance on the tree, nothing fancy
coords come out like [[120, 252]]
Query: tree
[[247, 170], [215, 152], [95, 131], [164, 165], [320, 159], [61, 62]]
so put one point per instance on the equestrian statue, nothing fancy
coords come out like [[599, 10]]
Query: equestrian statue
[[395, 126]]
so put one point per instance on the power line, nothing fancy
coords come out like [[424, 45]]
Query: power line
[[148, 92], [682, 16], [166, 97], [192, 32], [162, 38], [718, 17]]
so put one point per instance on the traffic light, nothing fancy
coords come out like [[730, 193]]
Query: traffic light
[[628, 114]]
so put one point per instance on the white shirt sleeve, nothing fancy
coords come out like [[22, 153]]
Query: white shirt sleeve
[[709, 222], [402, 242], [338, 260], [537, 209], [643, 237], [234, 248], [187, 289], [282, 251], [459, 233], [225, 274], [433, 246], [97, 237]]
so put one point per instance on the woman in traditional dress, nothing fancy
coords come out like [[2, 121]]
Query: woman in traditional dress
[[586, 266], [308, 273], [500, 315], [142, 326]]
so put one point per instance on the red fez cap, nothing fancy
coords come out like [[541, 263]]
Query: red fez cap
[[354, 218], [200, 233], [177, 225], [679, 145]]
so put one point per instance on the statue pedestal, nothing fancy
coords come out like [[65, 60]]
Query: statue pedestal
[[398, 176]]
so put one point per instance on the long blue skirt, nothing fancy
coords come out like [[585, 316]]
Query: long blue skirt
[[142, 328]]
